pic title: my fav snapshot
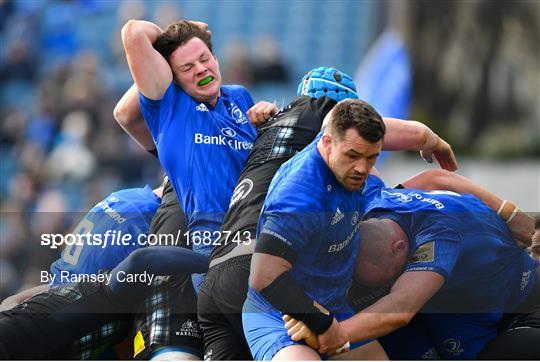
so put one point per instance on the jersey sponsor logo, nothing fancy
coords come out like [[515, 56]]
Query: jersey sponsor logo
[[111, 212], [525, 280], [202, 108], [113, 199], [414, 195], [225, 139], [189, 328], [424, 254], [334, 248], [241, 191], [229, 132], [453, 346], [443, 192], [355, 217], [338, 216]]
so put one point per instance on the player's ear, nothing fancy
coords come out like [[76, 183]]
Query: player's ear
[[399, 246], [326, 140]]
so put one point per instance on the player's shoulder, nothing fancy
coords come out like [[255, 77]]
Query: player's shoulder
[[134, 199], [235, 91], [302, 181]]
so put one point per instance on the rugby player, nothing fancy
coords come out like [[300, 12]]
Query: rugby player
[[203, 137], [295, 126], [312, 201], [450, 257], [127, 212], [124, 212], [46, 325]]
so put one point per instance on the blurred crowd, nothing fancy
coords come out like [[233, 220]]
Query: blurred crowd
[[60, 149], [475, 67]]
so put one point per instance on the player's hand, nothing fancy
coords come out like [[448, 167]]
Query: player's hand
[[522, 229], [443, 154], [299, 331], [333, 340], [261, 112]]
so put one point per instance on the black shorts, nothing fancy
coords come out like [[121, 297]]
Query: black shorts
[[520, 339], [48, 324], [169, 217], [168, 317], [222, 295]]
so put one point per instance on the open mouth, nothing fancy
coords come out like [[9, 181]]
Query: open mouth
[[205, 81], [357, 179]]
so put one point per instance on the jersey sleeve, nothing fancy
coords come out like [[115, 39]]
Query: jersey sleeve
[[372, 189], [240, 94], [290, 223], [436, 249], [157, 113]]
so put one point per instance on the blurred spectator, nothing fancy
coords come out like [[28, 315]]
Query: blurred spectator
[[71, 158], [167, 13], [238, 68], [19, 63], [269, 65]]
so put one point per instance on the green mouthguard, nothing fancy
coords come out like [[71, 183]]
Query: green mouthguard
[[206, 80]]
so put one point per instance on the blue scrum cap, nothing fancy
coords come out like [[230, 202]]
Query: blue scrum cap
[[327, 81]]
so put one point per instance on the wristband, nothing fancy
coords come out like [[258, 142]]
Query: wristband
[[512, 216], [501, 207], [505, 213], [286, 295]]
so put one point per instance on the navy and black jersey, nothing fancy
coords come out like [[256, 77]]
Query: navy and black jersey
[[284, 135]]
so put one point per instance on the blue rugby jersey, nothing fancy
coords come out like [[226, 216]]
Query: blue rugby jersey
[[125, 212], [310, 211], [203, 150], [459, 237]]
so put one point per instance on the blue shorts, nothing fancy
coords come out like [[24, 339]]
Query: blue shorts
[[463, 335], [265, 330], [441, 336]]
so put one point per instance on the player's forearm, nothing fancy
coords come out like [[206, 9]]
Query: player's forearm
[[20, 297], [265, 269], [408, 136], [376, 321], [271, 278], [127, 114], [444, 180], [139, 30]]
